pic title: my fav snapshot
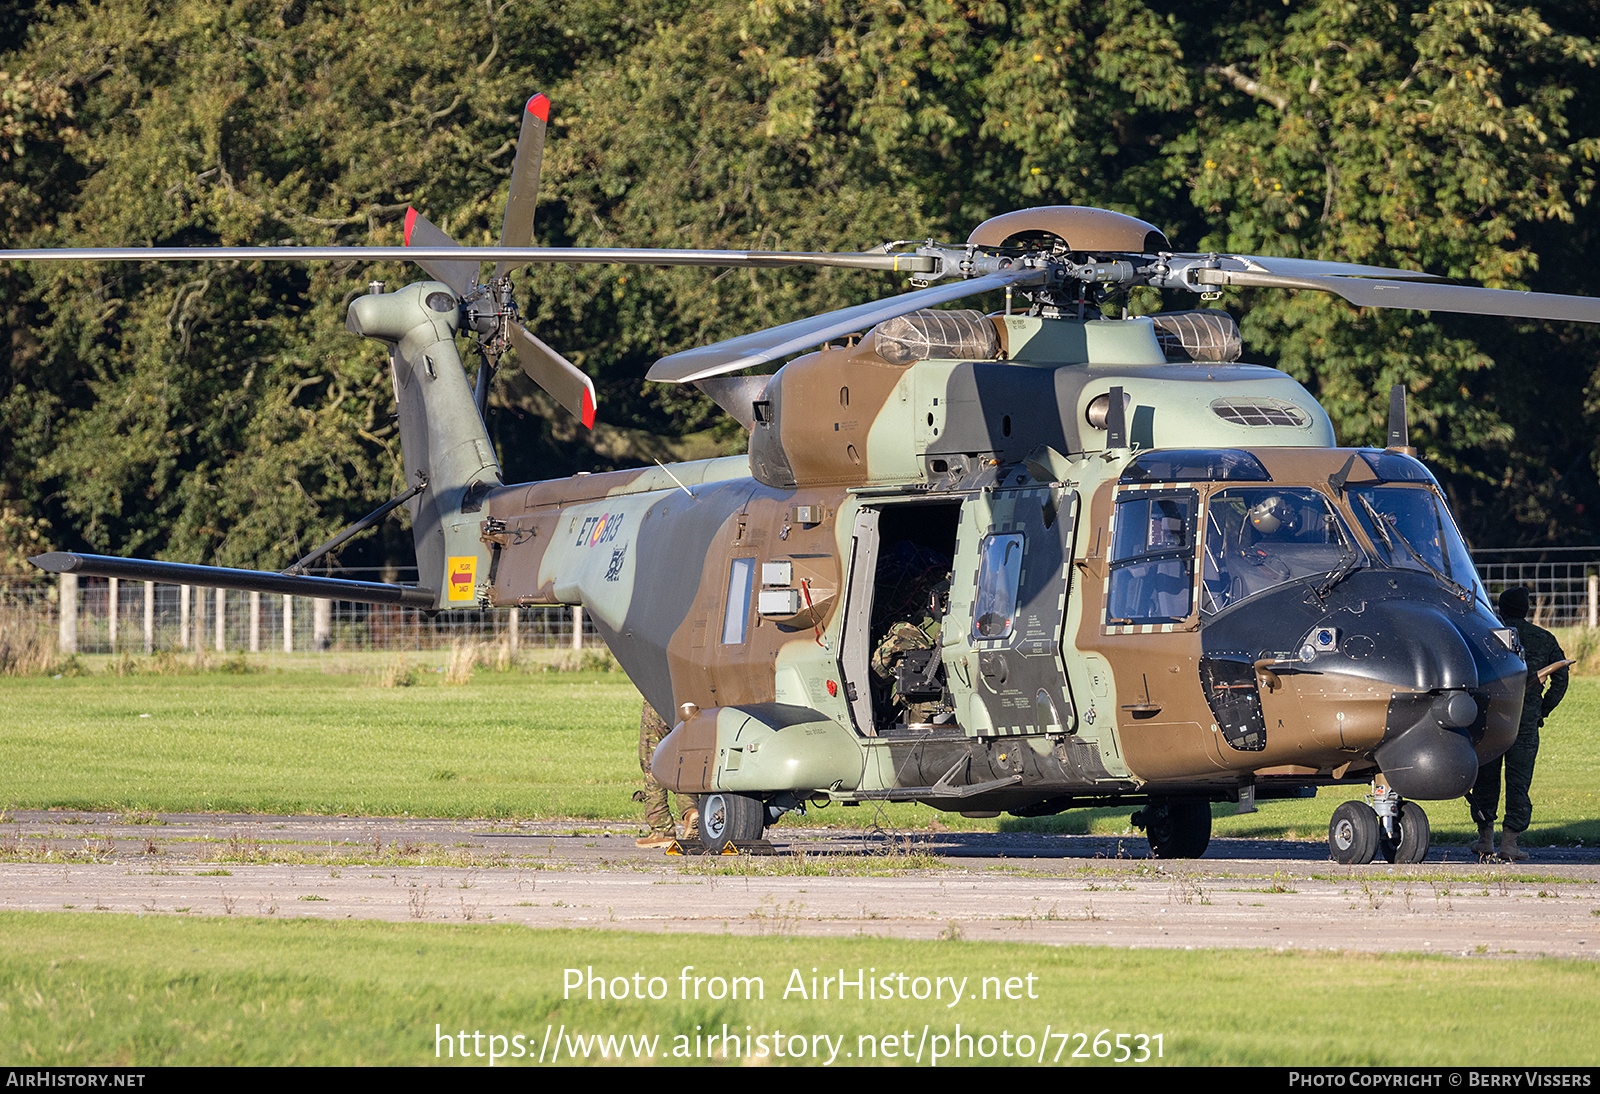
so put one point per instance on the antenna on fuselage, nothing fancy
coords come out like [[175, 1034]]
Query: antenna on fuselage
[[1398, 434], [1116, 421]]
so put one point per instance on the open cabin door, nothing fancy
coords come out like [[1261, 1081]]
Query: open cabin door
[[855, 651], [902, 554], [1008, 606]]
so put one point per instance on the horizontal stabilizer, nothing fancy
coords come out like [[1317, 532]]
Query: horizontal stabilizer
[[220, 577]]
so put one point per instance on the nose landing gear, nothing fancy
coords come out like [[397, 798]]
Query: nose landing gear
[[1398, 830]]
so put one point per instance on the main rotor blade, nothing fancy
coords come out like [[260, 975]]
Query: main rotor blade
[[1464, 299], [449, 252], [749, 350], [517, 229], [421, 232], [1313, 267], [565, 382]]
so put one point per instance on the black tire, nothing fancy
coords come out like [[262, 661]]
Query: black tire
[[726, 818], [1414, 836], [1178, 829], [1353, 833]]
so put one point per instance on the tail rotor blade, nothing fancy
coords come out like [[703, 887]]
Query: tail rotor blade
[[563, 380], [422, 232], [517, 231]]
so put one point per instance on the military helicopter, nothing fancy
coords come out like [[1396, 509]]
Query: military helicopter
[[1156, 580]]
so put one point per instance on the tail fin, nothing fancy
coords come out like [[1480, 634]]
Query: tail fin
[[442, 437]]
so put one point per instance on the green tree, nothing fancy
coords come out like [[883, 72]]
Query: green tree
[[220, 413]]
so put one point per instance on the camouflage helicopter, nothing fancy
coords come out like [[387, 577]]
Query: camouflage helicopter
[[1155, 579]]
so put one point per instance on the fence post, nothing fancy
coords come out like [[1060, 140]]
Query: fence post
[[222, 620], [255, 622], [1594, 600], [183, 617], [69, 614], [321, 624], [288, 623], [516, 617], [577, 626], [149, 617], [111, 613]]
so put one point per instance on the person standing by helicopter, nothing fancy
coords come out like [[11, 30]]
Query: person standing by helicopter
[[653, 729], [1540, 651]]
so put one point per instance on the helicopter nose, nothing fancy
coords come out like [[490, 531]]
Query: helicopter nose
[[1455, 702], [1430, 761], [1455, 710], [1422, 648]]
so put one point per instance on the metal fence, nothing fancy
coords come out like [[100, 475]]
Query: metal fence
[[137, 616], [140, 616], [1564, 581]]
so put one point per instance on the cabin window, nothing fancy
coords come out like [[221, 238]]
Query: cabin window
[[737, 612], [1152, 558], [999, 578], [1195, 465]]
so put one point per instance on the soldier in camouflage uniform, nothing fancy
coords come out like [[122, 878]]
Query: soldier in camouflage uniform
[[1539, 649], [903, 637], [653, 729], [912, 585]]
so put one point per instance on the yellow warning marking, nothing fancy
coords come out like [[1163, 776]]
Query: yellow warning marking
[[462, 577]]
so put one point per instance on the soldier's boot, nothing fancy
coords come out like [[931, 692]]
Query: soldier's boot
[[1485, 844], [691, 823], [654, 839], [1509, 849]]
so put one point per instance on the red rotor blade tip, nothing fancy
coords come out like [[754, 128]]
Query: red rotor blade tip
[[588, 411], [539, 107], [411, 222]]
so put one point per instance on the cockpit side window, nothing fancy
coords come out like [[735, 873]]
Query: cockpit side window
[[1152, 558]]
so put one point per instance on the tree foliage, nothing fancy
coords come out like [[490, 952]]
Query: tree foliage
[[219, 412]]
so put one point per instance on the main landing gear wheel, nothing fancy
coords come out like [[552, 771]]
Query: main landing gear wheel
[[1176, 829], [1410, 843], [727, 818], [1353, 833]]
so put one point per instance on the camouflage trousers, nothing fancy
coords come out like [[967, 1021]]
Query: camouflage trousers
[[658, 813], [1484, 797]]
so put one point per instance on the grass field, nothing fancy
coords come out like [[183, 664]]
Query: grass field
[[328, 736], [325, 736], [118, 990]]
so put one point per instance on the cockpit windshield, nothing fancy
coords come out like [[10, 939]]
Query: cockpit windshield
[[1413, 530], [1259, 538]]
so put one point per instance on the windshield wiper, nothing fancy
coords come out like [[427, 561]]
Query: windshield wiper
[[1385, 528], [1351, 559]]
